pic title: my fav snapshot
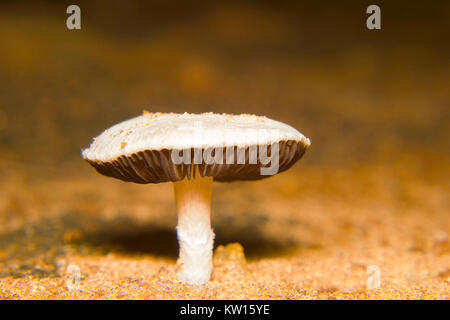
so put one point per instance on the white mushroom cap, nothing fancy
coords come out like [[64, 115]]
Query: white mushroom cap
[[139, 149]]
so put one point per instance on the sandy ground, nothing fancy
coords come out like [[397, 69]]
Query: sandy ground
[[305, 234], [369, 201]]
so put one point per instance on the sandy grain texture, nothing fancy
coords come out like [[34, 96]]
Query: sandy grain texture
[[307, 234]]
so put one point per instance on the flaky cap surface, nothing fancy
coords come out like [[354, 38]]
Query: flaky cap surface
[[139, 149]]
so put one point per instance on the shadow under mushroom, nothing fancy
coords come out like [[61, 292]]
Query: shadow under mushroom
[[162, 241], [124, 236]]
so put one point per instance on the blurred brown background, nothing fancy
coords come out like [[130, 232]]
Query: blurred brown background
[[313, 65], [375, 104]]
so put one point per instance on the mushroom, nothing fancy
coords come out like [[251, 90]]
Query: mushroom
[[192, 151]]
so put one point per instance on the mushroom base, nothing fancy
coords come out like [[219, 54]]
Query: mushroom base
[[195, 236]]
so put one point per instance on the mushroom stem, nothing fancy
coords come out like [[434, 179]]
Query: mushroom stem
[[195, 236]]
